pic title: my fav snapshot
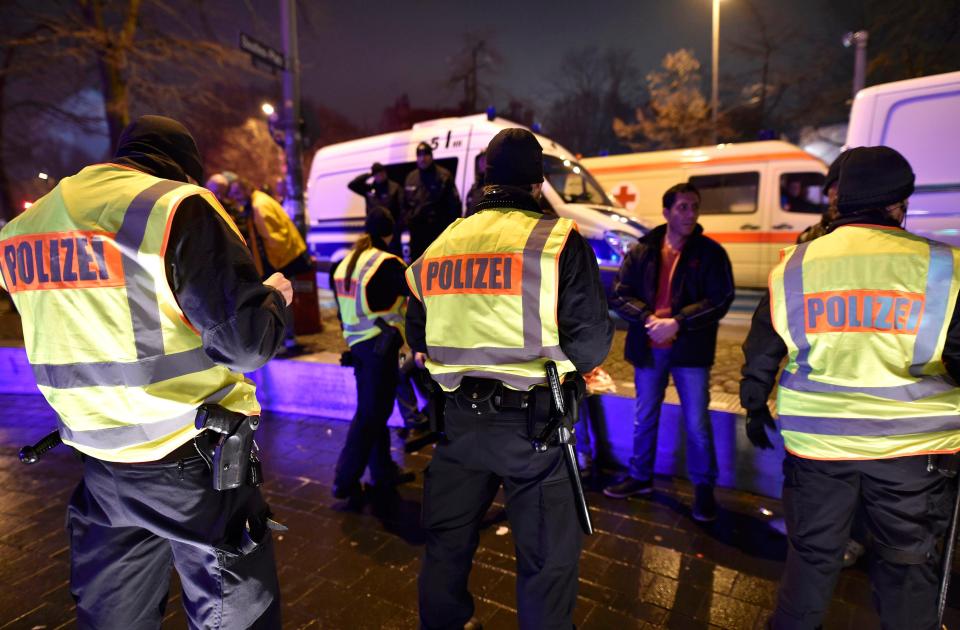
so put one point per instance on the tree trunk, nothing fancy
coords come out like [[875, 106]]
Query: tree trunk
[[112, 63]]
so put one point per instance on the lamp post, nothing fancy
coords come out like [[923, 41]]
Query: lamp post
[[858, 39], [715, 69]]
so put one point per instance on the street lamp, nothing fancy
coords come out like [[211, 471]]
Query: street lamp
[[267, 109], [43, 176], [715, 68]]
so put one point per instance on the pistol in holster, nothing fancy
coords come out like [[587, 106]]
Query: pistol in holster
[[388, 340], [228, 447]]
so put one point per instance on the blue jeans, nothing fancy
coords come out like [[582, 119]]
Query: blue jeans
[[693, 386]]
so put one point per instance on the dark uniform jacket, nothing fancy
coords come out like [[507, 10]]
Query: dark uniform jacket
[[430, 199], [214, 280], [701, 292], [586, 330], [388, 194], [764, 349]]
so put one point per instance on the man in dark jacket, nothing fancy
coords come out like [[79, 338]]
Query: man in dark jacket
[[431, 201], [673, 288], [378, 189]]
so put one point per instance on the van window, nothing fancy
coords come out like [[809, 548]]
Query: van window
[[572, 181], [399, 172], [729, 193], [802, 192]]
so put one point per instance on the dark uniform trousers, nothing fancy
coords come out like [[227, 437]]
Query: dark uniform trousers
[[480, 454], [907, 510], [368, 438], [129, 523]]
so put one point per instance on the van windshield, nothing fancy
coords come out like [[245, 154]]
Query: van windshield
[[572, 182]]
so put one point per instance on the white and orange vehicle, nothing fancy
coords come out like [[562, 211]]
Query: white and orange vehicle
[[756, 197]]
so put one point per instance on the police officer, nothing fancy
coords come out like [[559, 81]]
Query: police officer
[[371, 295], [377, 189], [497, 295], [431, 201], [868, 317], [140, 303]]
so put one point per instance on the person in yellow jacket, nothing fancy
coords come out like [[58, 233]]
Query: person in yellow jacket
[[371, 296], [141, 311], [868, 318], [273, 239], [494, 298], [279, 246]]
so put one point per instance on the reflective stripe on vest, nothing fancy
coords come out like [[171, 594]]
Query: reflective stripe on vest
[[494, 273], [865, 377], [109, 347], [357, 320]]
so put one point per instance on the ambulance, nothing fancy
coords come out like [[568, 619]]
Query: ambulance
[[920, 118], [756, 197], [335, 214]]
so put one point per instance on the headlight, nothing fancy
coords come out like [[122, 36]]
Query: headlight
[[620, 242]]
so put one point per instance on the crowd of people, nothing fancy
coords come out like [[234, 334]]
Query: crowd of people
[[180, 289]]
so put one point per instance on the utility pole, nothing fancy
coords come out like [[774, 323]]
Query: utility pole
[[858, 39], [292, 142]]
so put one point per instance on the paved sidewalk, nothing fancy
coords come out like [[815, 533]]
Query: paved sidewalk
[[648, 566]]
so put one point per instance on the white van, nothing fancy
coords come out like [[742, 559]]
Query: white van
[[920, 118], [756, 197], [335, 214]]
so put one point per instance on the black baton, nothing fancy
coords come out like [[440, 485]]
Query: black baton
[[32, 454], [948, 556], [564, 441]]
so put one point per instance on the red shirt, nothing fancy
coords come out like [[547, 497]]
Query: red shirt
[[668, 264]]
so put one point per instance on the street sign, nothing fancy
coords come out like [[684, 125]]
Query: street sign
[[260, 52]]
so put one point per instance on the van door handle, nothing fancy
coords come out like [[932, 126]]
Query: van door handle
[[749, 226], [783, 226]]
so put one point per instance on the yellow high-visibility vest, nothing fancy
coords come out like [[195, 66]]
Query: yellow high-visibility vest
[[864, 313], [489, 286], [281, 239], [355, 314], [110, 348]]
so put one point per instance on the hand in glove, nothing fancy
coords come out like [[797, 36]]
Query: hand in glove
[[757, 422]]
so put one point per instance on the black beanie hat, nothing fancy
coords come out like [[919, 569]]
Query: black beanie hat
[[423, 147], [165, 144], [873, 177], [833, 173], [514, 158], [379, 222]]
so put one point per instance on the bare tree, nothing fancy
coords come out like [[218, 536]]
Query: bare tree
[[140, 55], [472, 67], [592, 87], [763, 48]]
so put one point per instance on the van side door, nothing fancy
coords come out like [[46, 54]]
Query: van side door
[[730, 214]]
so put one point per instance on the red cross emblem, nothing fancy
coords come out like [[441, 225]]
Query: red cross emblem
[[624, 196]]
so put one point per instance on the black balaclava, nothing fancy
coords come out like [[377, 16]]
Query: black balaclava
[[160, 146]]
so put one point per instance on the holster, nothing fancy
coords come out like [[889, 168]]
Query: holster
[[436, 404], [388, 340], [947, 464], [478, 395], [227, 446]]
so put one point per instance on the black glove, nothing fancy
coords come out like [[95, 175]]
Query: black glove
[[757, 421]]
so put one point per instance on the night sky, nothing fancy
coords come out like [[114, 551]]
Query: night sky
[[358, 57]]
